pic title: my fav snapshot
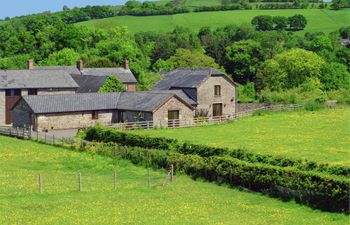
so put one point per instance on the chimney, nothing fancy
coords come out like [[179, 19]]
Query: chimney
[[80, 64], [30, 64], [126, 64]]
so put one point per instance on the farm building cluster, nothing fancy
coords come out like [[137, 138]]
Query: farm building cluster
[[66, 97]]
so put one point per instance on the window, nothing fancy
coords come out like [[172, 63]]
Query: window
[[32, 91], [13, 92], [173, 118], [94, 115], [217, 90]]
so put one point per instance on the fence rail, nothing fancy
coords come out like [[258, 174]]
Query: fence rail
[[24, 133], [201, 121]]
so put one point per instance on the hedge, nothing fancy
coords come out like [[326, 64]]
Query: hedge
[[316, 190], [103, 134]]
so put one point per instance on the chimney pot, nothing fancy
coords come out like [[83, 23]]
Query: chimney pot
[[126, 64], [30, 64], [80, 64]]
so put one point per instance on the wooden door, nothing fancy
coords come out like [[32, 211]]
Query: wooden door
[[217, 109], [173, 118]]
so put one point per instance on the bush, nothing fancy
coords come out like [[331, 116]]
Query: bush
[[309, 188], [314, 106], [102, 134]]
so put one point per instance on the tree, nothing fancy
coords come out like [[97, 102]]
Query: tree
[[297, 22], [65, 8], [185, 58], [263, 22], [338, 4], [243, 59], [112, 84], [321, 42], [65, 57], [345, 32], [335, 76], [281, 22], [290, 69]]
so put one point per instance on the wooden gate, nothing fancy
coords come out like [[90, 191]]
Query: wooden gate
[[11, 101]]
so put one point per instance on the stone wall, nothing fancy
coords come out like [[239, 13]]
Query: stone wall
[[56, 91], [160, 116], [2, 107], [60, 121], [206, 97], [242, 107]]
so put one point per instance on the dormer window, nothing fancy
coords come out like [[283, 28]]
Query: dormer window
[[217, 90]]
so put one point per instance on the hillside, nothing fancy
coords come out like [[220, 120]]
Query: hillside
[[184, 201], [324, 20]]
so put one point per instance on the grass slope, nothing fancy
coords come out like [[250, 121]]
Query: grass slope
[[321, 136], [318, 20], [183, 202]]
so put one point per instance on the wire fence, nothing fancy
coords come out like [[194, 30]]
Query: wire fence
[[56, 183]]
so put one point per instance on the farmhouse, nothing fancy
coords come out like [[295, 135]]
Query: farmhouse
[[91, 79], [17, 83], [82, 110], [213, 93]]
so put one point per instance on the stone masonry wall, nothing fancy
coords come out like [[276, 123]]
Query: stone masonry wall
[[206, 97], [2, 107], [160, 116], [60, 121], [61, 91]]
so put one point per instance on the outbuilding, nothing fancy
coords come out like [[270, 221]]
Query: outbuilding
[[56, 112]]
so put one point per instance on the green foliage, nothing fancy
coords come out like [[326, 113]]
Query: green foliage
[[161, 64], [185, 58], [65, 57], [313, 189], [243, 59], [246, 93], [101, 134], [335, 76], [297, 22], [112, 84], [290, 69], [263, 23]]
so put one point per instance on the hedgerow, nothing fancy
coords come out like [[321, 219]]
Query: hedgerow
[[103, 134], [316, 190]]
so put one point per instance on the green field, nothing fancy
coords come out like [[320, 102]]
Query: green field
[[183, 202], [318, 20], [321, 136]]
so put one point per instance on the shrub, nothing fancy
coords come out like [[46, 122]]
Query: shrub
[[102, 134], [309, 188]]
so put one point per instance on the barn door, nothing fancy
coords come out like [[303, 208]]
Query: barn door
[[12, 97], [173, 118], [217, 109]]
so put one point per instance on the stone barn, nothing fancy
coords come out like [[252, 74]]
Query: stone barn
[[57, 112]]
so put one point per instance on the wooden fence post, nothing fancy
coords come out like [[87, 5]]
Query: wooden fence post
[[115, 181], [80, 183], [37, 135], [53, 139], [40, 183], [149, 177], [45, 137], [171, 172]]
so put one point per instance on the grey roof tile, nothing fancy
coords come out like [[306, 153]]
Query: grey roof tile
[[123, 75], [11, 79], [133, 101], [89, 84], [69, 69], [185, 78]]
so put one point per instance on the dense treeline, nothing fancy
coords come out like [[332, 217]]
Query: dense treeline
[[274, 66]]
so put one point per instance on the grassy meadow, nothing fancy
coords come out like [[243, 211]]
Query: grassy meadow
[[324, 20], [321, 136], [183, 202]]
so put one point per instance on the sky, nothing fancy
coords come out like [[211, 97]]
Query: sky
[[23, 7]]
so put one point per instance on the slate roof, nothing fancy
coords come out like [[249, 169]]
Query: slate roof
[[11, 79], [123, 75], [186, 78], [89, 84], [179, 93], [69, 69], [133, 101]]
